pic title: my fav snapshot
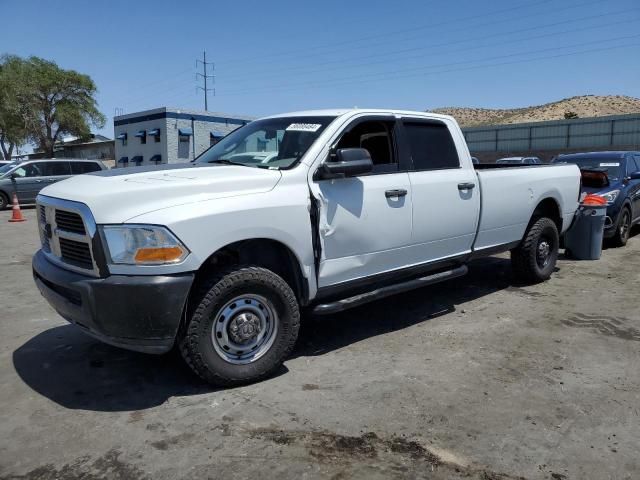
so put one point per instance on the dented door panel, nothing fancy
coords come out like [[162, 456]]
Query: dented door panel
[[361, 230]]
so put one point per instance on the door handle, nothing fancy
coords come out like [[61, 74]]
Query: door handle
[[38, 181], [466, 186], [399, 192]]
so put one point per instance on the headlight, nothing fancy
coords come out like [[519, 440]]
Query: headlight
[[611, 196], [142, 245]]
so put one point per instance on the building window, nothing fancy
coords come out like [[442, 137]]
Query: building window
[[142, 135], [123, 138], [155, 133]]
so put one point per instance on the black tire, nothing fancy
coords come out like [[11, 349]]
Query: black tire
[[528, 262], [215, 300], [4, 201], [623, 228]]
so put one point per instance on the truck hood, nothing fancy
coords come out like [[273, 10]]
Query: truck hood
[[115, 196]]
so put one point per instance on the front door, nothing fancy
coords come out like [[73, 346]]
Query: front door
[[634, 163], [365, 221], [27, 181]]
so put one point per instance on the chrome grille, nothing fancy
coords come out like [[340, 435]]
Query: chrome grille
[[70, 222], [67, 230], [43, 220]]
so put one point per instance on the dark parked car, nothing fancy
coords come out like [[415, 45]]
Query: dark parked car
[[519, 161], [621, 188], [27, 178]]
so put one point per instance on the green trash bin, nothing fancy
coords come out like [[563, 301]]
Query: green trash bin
[[583, 241]]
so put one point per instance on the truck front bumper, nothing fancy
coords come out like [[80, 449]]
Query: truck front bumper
[[139, 313]]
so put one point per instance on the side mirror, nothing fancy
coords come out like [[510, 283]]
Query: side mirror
[[349, 162], [13, 176], [634, 176]]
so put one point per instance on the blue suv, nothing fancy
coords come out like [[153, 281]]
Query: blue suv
[[622, 190]]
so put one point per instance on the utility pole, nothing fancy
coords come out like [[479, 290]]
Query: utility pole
[[205, 76]]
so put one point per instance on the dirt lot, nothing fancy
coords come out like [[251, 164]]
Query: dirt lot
[[475, 378]]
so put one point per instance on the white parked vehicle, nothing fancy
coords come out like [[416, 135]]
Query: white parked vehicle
[[219, 256]]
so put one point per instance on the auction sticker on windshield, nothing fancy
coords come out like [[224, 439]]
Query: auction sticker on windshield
[[609, 164], [303, 127]]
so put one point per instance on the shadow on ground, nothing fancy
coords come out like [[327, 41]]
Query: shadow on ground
[[78, 372]]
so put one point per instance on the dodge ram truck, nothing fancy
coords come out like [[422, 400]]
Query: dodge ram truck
[[317, 211]]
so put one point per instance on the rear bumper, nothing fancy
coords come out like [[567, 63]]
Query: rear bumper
[[139, 313]]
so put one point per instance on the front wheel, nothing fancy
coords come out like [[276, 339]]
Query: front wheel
[[243, 325], [4, 201], [623, 228], [535, 258]]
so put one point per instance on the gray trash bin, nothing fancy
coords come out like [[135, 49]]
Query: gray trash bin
[[584, 238]]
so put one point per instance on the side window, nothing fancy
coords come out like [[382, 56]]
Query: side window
[[377, 137], [27, 171], [78, 168], [636, 159], [431, 146], [54, 169]]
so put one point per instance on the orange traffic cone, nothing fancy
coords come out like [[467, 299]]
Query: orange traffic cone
[[16, 214]]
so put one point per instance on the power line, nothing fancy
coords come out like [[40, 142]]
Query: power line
[[403, 72], [431, 47], [388, 33], [205, 76]]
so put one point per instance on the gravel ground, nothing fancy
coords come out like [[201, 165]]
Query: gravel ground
[[476, 378]]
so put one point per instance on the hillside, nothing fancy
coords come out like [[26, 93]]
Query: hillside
[[583, 106]]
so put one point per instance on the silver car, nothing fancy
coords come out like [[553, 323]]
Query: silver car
[[27, 178], [519, 161]]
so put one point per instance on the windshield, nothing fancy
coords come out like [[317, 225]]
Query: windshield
[[275, 143], [5, 168], [611, 166]]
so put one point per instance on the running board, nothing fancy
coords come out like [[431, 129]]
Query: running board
[[356, 300]]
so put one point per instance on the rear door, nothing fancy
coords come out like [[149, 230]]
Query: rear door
[[54, 171], [445, 193], [365, 221], [634, 165]]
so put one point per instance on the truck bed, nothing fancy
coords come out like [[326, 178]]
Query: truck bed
[[510, 193]]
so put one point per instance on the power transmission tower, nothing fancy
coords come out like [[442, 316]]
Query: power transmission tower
[[205, 76]]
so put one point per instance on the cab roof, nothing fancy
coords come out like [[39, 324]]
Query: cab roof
[[337, 112]]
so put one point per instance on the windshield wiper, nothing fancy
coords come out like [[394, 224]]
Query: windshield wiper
[[224, 161]]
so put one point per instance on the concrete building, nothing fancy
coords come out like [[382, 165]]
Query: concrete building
[[96, 147], [167, 135]]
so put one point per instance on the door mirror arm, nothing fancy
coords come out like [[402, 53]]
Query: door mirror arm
[[343, 163]]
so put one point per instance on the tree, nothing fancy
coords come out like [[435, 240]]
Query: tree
[[13, 121], [568, 115], [61, 102]]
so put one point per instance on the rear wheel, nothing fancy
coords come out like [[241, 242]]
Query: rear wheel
[[535, 258], [244, 324], [623, 228]]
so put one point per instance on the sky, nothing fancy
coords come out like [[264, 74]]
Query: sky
[[279, 56]]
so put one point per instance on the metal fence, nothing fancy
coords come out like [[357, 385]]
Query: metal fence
[[612, 132]]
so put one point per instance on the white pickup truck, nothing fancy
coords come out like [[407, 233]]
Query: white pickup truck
[[219, 256]]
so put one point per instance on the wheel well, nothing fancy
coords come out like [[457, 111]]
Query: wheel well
[[262, 252], [548, 208]]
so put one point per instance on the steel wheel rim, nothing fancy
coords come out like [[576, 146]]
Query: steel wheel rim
[[543, 252], [244, 329]]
